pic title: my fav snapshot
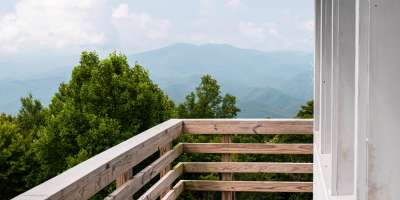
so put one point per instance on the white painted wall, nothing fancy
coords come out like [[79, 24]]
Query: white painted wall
[[384, 101], [317, 62], [357, 150], [361, 98], [326, 69], [343, 97]]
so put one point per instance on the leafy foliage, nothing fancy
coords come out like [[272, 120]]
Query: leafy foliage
[[16, 154], [104, 103], [207, 102], [12, 148], [306, 111]]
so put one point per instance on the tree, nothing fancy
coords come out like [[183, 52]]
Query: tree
[[105, 102], [32, 114], [207, 102], [12, 147], [16, 154], [31, 119], [306, 111]]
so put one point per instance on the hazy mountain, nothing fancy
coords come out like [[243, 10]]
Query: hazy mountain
[[267, 84]]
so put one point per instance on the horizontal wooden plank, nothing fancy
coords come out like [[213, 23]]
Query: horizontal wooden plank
[[92, 175], [248, 186], [133, 185], [174, 192], [248, 126], [246, 167], [164, 183], [248, 148]]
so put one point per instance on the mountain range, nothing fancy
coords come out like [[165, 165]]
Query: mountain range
[[266, 84]]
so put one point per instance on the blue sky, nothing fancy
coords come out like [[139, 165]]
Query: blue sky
[[62, 28]]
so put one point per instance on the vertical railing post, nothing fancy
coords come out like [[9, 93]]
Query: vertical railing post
[[164, 149], [227, 176]]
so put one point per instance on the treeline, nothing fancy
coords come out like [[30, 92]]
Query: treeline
[[105, 102]]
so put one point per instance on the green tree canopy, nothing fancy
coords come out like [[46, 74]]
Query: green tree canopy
[[12, 147], [16, 155], [306, 111], [105, 102], [207, 102]]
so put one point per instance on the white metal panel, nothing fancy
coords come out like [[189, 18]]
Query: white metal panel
[[334, 94], [317, 63], [384, 115], [326, 69], [362, 97], [343, 83]]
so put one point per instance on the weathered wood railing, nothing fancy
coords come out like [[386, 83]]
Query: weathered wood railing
[[116, 163]]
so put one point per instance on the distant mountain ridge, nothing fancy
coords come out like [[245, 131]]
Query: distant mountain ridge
[[267, 84]]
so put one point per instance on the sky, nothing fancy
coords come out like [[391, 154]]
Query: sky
[[48, 29]]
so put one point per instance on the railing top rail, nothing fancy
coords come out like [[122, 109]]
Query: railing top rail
[[248, 126], [250, 120], [90, 176]]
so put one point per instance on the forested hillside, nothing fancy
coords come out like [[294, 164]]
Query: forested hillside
[[266, 84]]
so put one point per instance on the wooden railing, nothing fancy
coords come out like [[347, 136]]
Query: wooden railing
[[115, 164]]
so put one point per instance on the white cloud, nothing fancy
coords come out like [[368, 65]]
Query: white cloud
[[140, 24], [74, 25], [233, 3], [51, 24], [258, 31], [206, 7], [121, 12], [308, 25]]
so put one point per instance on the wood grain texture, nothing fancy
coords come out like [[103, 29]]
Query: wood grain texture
[[143, 177], [246, 167], [123, 178], [249, 126], [164, 149], [248, 186], [227, 176], [174, 192], [92, 175], [164, 183], [248, 148]]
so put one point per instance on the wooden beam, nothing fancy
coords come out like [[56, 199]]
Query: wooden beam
[[249, 126], [246, 167], [92, 175], [155, 191], [163, 150], [174, 192], [248, 148], [248, 186], [227, 176], [143, 177], [123, 178]]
